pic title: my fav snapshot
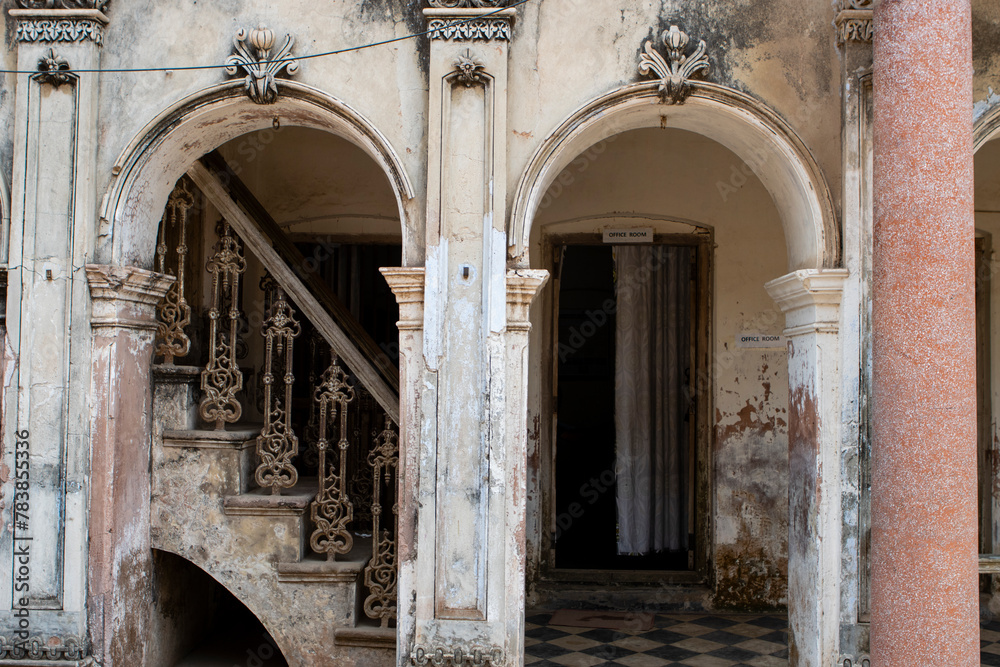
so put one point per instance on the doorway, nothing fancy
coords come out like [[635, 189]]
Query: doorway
[[630, 336]]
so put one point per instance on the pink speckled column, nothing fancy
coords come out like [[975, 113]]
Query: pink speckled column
[[924, 527]]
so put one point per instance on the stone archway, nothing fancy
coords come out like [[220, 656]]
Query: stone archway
[[809, 296], [146, 171], [739, 122], [986, 132], [124, 298]]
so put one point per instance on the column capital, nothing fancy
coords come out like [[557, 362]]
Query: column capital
[[523, 286], [810, 300], [125, 297], [407, 283]]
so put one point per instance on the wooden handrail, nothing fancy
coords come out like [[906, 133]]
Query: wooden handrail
[[278, 254]]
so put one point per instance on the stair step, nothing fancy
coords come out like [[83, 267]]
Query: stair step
[[367, 636], [315, 568], [261, 502], [242, 438], [176, 374]]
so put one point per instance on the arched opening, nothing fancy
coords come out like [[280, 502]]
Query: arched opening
[[148, 168], [312, 434], [987, 202], [808, 300], [308, 202], [746, 127], [197, 622], [660, 242]]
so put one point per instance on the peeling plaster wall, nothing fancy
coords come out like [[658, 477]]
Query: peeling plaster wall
[[565, 52], [781, 51], [683, 175]]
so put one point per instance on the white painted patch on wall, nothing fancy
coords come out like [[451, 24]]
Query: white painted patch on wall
[[436, 266], [497, 258]]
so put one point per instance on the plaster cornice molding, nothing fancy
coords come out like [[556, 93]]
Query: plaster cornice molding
[[60, 24], [467, 4], [70, 5], [462, 23]]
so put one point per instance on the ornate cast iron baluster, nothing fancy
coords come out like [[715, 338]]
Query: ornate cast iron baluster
[[268, 286], [364, 418], [222, 378], [277, 444], [332, 510], [174, 312], [380, 573], [311, 434]]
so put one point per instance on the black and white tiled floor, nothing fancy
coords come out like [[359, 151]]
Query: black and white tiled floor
[[677, 640], [684, 640], [989, 643]]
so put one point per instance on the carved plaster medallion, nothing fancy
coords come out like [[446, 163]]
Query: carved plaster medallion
[[53, 69], [470, 70], [677, 69], [253, 55]]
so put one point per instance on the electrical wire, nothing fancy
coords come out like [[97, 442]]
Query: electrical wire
[[310, 56]]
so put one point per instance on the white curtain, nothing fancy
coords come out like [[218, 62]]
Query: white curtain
[[652, 361]]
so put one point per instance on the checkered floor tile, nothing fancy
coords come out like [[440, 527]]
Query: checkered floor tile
[[677, 640], [989, 643]]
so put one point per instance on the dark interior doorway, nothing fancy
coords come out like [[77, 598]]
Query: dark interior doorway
[[587, 500], [198, 623]]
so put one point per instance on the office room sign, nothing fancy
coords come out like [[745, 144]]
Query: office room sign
[[619, 235], [760, 341]]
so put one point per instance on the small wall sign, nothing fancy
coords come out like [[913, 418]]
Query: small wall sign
[[760, 341], [644, 235]]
